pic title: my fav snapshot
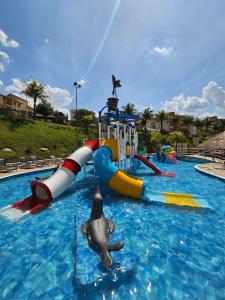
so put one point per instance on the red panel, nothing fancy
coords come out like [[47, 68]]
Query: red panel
[[154, 168], [44, 187], [71, 165], [93, 144], [31, 203]]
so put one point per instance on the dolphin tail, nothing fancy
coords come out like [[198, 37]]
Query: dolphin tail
[[98, 195], [98, 189], [106, 258], [116, 246]]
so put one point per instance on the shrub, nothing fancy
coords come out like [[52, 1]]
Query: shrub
[[176, 137]]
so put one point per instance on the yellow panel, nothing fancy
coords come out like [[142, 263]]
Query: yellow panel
[[112, 144], [180, 199], [126, 185]]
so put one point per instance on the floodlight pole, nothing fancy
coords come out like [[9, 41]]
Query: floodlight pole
[[77, 86]]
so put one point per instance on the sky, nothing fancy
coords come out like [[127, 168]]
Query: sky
[[168, 54]]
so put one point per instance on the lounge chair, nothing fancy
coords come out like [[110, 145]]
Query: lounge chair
[[25, 164], [221, 162], [51, 160], [52, 157], [37, 162], [4, 167]]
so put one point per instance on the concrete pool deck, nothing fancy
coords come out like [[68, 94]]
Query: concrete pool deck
[[24, 171], [214, 168]]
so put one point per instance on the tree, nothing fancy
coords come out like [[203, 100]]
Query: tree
[[206, 123], [198, 123], [218, 126], [156, 138], [129, 108], [147, 115], [88, 119], [44, 108], [81, 113], [161, 116], [187, 120], [34, 90], [175, 120], [176, 137], [59, 117], [222, 124]]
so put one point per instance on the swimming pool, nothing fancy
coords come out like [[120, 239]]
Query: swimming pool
[[180, 253]]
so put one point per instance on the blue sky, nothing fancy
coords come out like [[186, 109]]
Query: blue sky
[[168, 54]]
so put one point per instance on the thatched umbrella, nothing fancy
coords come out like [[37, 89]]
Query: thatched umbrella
[[216, 142]]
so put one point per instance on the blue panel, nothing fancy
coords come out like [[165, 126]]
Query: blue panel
[[103, 163]]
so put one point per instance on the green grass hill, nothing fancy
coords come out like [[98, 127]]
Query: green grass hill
[[28, 137]]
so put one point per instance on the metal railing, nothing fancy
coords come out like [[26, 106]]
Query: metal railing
[[9, 113]]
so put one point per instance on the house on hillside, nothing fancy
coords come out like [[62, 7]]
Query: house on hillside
[[173, 122], [12, 105]]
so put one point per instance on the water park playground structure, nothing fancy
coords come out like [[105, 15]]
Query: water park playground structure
[[109, 155]]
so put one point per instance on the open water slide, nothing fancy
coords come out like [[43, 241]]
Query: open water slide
[[153, 167], [43, 192], [130, 186]]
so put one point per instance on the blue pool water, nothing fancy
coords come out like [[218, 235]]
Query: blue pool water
[[181, 253]]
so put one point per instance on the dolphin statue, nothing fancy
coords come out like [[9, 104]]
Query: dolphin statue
[[98, 229]]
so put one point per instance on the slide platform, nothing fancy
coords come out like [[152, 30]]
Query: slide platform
[[153, 167], [43, 192]]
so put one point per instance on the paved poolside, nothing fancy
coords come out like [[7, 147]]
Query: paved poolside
[[23, 171], [214, 168]]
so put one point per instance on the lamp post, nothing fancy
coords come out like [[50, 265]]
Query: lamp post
[[77, 86]]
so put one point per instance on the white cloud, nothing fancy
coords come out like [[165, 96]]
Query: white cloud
[[1, 83], [163, 51], [215, 94], [46, 40], [16, 87], [59, 98], [211, 102], [2, 67], [4, 56], [4, 40], [4, 60]]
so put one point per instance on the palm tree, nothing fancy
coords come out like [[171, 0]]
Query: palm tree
[[187, 120], [147, 115], [129, 108], [218, 126], [36, 91], [207, 123], [198, 123], [175, 122], [161, 116]]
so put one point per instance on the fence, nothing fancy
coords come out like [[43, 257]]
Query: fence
[[8, 113], [181, 148]]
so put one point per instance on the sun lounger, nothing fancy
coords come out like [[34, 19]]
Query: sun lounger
[[25, 164], [4, 167], [37, 163]]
